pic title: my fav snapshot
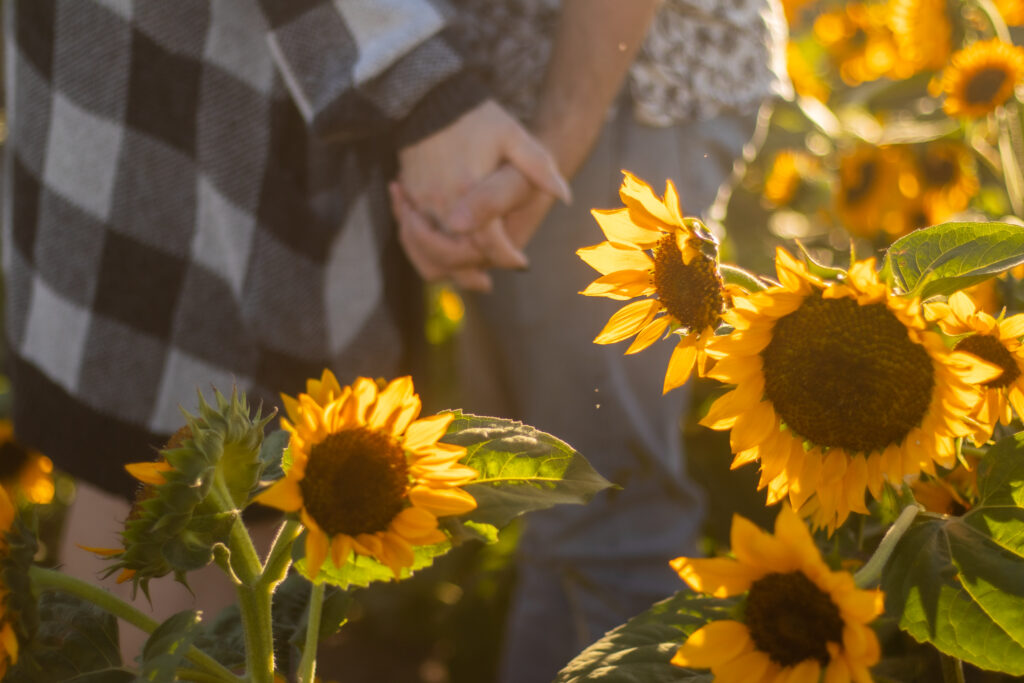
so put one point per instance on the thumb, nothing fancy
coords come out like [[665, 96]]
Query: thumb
[[534, 161]]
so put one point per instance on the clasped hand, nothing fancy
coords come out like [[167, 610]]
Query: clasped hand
[[469, 197]]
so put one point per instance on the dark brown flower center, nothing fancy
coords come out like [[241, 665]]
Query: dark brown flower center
[[863, 181], [691, 293], [355, 482], [12, 458], [790, 619], [987, 347], [938, 171], [984, 85], [842, 375]]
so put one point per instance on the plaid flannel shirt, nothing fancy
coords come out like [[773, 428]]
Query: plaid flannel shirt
[[195, 195]]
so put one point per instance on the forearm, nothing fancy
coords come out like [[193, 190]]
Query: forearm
[[597, 40]]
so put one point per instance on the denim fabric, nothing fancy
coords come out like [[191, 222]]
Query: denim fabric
[[528, 354]]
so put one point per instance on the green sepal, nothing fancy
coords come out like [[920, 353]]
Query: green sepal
[[75, 641], [643, 647], [952, 256], [734, 275], [175, 526], [819, 269], [165, 649], [362, 570], [957, 582]]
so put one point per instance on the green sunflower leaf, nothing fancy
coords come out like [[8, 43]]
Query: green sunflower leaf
[[948, 257], [74, 640], [957, 582], [165, 648], [642, 648], [521, 468]]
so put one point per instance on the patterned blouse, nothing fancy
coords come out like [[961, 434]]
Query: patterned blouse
[[701, 57]]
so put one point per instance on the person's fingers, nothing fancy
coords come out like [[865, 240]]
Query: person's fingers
[[473, 279], [433, 254], [492, 241], [495, 195], [535, 161]]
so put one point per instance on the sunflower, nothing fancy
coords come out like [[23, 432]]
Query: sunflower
[[24, 470], [366, 476], [859, 41], [806, 79], [8, 637], [871, 198], [981, 77], [1012, 11], [949, 179], [995, 341], [788, 170], [950, 493], [799, 617], [923, 33], [838, 386], [653, 252]]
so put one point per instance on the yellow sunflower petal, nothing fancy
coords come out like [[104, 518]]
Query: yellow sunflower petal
[[390, 401], [104, 552], [316, 551], [619, 229], [284, 494], [680, 365], [427, 430], [9, 640], [713, 644], [442, 502], [748, 667], [606, 258], [341, 548], [621, 285], [757, 548], [149, 472], [628, 320], [650, 334], [717, 576], [638, 196], [807, 671]]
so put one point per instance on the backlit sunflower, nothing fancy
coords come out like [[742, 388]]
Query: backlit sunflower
[[789, 167], [24, 470], [859, 40], [950, 493], [923, 33], [838, 386], [949, 179], [366, 476], [981, 77], [1012, 11], [653, 252], [995, 341], [8, 637], [799, 617], [870, 200]]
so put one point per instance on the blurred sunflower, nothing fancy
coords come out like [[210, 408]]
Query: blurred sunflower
[[949, 179], [870, 199], [8, 637], [981, 77], [794, 9], [653, 252], [806, 79], [799, 618], [994, 341], [366, 476], [1012, 11], [923, 33], [859, 40], [788, 170], [838, 386], [24, 470]]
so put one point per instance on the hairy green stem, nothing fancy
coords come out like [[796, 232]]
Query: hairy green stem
[[995, 20], [254, 605], [1012, 173], [307, 666], [48, 579], [280, 556], [871, 572]]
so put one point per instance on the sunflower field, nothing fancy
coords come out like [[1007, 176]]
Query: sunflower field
[[852, 302]]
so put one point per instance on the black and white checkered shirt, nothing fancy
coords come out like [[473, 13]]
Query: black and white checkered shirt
[[195, 195]]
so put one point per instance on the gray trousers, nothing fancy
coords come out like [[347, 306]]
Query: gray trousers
[[527, 353]]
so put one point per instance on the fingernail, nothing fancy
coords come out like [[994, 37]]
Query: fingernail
[[566, 191]]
